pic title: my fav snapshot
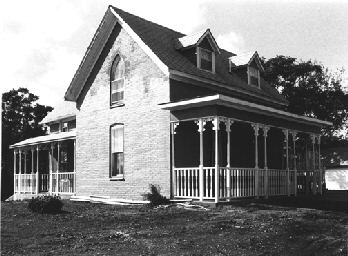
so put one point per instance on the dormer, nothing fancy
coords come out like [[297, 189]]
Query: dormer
[[249, 63], [200, 48]]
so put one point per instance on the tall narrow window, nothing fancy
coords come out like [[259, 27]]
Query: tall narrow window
[[117, 81], [117, 157]]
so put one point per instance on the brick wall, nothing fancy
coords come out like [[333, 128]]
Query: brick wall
[[146, 126]]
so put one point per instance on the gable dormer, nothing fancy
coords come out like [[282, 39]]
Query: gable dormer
[[200, 48], [249, 63]]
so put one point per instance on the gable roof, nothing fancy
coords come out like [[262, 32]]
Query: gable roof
[[246, 58], [159, 42]]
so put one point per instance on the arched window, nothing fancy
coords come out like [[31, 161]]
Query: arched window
[[117, 81]]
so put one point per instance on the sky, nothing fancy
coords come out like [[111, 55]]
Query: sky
[[42, 42]]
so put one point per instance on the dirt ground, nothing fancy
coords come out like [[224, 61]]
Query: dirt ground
[[242, 228]]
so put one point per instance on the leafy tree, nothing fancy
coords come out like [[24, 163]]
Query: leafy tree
[[311, 91], [21, 115]]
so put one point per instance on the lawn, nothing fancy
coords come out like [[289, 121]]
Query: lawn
[[247, 228]]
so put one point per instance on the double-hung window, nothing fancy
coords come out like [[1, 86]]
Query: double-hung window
[[116, 153], [117, 81], [253, 76], [205, 59]]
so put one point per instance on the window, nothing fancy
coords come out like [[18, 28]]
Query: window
[[116, 153], [205, 59], [253, 76], [65, 127], [117, 81]]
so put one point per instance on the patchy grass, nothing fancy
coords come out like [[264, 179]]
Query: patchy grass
[[249, 229]]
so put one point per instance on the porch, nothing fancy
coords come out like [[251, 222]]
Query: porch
[[269, 160], [45, 165]]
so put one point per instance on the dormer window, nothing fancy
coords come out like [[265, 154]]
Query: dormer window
[[117, 81], [253, 76], [205, 59]]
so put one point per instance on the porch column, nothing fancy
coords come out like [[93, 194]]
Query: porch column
[[320, 169], [256, 133], [25, 171], [37, 169], [294, 134], [20, 171], [51, 167], [58, 159], [265, 132], [229, 123], [14, 170], [74, 165], [172, 131], [216, 123], [286, 134], [313, 163], [201, 124], [32, 170]]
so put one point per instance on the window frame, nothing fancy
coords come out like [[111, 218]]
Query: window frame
[[119, 102], [199, 57], [249, 77], [121, 175]]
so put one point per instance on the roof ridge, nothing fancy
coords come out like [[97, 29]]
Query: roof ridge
[[154, 23]]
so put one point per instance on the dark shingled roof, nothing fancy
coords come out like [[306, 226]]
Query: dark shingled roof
[[162, 41]]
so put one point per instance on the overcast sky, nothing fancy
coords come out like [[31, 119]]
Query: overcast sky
[[43, 42]]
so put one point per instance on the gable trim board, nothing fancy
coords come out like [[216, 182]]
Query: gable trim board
[[243, 105]]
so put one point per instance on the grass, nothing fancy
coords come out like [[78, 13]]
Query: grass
[[248, 228]]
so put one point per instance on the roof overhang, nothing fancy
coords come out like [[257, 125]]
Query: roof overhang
[[227, 101], [54, 137]]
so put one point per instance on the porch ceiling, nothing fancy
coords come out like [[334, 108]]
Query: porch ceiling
[[227, 101], [45, 139]]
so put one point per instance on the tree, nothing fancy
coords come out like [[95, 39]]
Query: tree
[[21, 115], [311, 91]]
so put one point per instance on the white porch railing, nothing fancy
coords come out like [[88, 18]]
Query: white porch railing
[[25, 183], [63, 183], [239, 182]]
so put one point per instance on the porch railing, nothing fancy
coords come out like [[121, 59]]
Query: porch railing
[[63, 183], [25, 183], [240, 182]]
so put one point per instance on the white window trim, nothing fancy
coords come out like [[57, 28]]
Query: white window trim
[[258, 77], [118, 176], [198, 54]]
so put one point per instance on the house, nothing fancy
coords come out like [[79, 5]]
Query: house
[[155, 106]]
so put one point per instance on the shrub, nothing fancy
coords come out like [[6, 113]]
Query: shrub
[[46, 204], [155, 196]]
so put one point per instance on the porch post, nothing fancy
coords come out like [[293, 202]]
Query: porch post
[[14, 170], [25, 170], [319, 167], [313, 163], [229, 123], [32, 170], [286, 134], [37, 169], [51, 167], [20, 171], [294, 134], [172, 130], [265, 132], [201, 124], [216, 123], [58, 159], [256, 133], [74, 165]]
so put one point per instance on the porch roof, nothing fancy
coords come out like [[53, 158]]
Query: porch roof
[[223, 100], [45, 139]]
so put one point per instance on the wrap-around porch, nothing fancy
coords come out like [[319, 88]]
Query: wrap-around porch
[[45, 165], [250, 159]]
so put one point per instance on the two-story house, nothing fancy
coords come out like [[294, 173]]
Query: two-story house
[[155, 106]]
